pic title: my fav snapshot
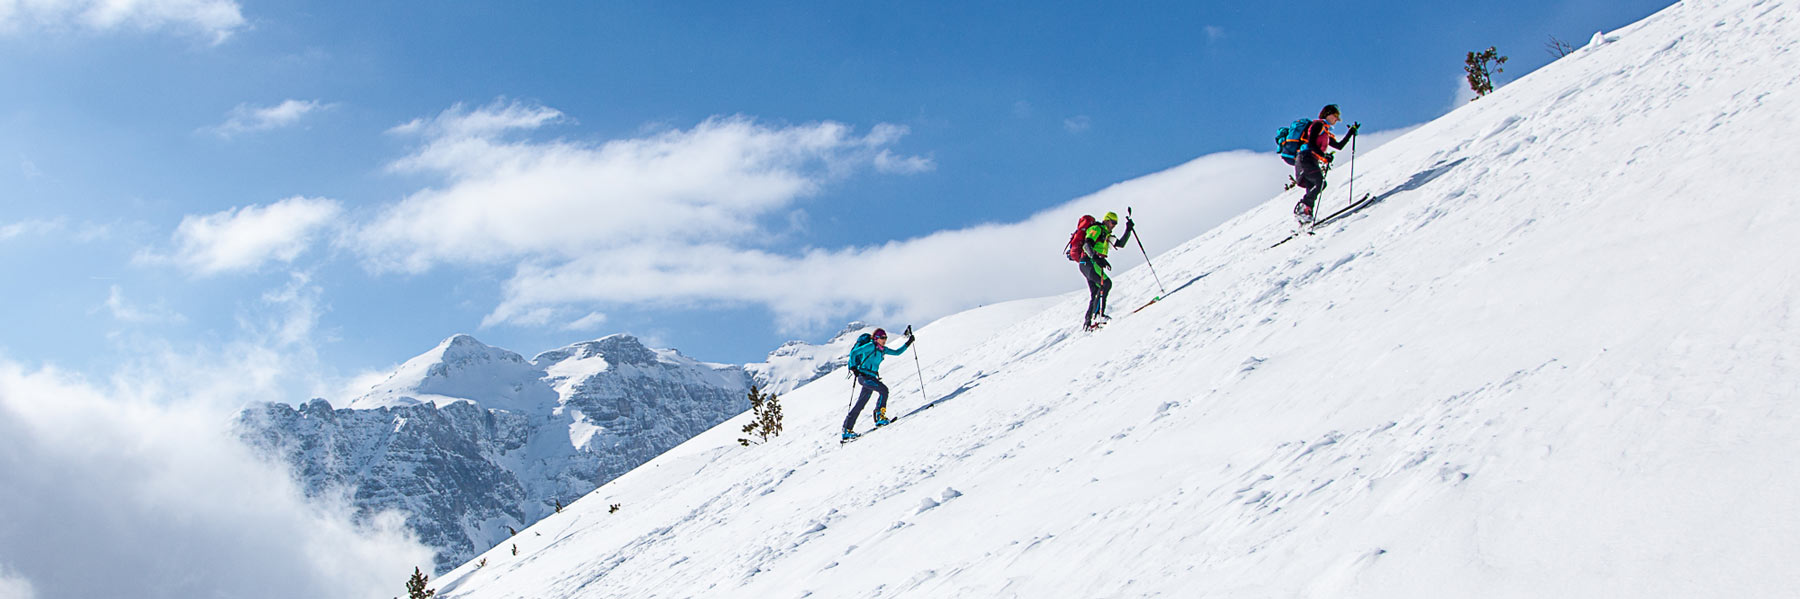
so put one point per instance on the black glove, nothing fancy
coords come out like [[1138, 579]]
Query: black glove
[[1101, 260], [1330, 157], [1353, 129]]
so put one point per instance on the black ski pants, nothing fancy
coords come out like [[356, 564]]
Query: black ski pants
[[870, 385], [1310, 175], [1098, 286]]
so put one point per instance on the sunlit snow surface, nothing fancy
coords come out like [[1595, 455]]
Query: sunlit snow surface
[[1557, 357]]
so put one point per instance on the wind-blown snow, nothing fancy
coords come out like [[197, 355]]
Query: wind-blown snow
[[1554, 357]]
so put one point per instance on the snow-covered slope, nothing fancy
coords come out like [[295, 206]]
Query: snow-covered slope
[[1555, 359], [468, 440]]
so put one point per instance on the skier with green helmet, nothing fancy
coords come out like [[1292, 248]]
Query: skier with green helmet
[[865, 364], [1098, 240]]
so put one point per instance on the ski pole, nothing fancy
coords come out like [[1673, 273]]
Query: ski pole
[[1351, 187], [1140, 242], [922, 396]]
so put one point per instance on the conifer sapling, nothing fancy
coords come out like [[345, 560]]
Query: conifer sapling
[[765, 417]]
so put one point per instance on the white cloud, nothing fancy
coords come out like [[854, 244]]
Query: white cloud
[[889, 162], [124, 311], [1077, 124], [1022, 109], [250, 119], [503, 200], [245, 238], [138, 477], [586, 323], [914, 279], [13, 587], [494, 119], [147, 491], [30, 170], [298, 309], [273, 356], [214, 19], [35, 227], [1214, 33], [85, 232]]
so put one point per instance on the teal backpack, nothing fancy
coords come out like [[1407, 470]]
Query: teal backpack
[[1290, 138]]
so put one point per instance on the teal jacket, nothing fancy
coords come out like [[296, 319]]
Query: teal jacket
[[866, 357]]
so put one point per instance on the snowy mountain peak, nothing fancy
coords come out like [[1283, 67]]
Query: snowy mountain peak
[[617, 349], [470, 439], [316, 407], [797, 363], [462, 368], [856, 327], [624, 349], [462, 349]]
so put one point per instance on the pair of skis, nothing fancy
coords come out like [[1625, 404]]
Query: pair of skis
[[890, 424], [1308, 229]]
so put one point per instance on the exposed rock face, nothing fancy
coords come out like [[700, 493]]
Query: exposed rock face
[[467, 439]]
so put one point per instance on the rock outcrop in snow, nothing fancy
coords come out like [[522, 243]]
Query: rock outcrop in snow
[[467, 440]]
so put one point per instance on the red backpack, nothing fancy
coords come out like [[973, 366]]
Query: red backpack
[[1078, 239]]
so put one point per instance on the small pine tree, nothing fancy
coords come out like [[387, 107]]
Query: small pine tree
[[515, 548], [765, 421], [614, 509], [415, 587], [1558, 48], [510, 532], [1480, 78], [481, 564], [559, 506]]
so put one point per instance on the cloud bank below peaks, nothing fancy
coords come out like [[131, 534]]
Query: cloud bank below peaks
[[109, 497]]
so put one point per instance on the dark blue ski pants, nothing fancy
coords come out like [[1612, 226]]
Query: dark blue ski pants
[[870, 385]]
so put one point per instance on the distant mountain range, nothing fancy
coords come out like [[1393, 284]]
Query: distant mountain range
[[468, 440]]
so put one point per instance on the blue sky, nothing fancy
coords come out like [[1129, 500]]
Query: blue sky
[[295, 194]]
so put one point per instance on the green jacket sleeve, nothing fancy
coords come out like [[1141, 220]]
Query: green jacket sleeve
[[1097, 240]]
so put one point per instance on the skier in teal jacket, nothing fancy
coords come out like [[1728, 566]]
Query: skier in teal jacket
[[865, 365]]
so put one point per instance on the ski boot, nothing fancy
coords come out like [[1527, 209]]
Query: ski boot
[[849, 435], [1304, 214], [881, 418]]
